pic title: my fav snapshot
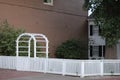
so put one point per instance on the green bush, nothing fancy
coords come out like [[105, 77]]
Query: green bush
[[8, 36], [72, 49]]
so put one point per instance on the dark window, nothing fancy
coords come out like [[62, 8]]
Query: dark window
[[91, 30], [91, 48], [45, 1], [103, 51], [100, 51], [99, 30], [49, 2]]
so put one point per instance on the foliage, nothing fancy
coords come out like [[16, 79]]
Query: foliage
[[8, 36], [72, 49], [107, 12]]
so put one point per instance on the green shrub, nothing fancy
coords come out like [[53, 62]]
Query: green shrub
[[8, 36], [72, 49]]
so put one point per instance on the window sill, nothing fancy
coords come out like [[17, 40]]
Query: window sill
[[49, 4]]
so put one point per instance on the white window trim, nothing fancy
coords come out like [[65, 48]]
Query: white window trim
[[95, 57], [51, 4]]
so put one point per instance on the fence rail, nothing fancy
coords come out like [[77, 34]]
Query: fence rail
[[62, 66]]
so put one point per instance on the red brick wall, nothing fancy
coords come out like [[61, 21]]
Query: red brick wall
[[64, 20]]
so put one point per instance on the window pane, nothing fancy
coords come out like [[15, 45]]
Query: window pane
[[95, 30], [95, 51], [49, 1]]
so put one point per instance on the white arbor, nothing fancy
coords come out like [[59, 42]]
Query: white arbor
[[31, 43]]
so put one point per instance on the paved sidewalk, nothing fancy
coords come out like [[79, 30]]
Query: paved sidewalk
[[48, 77], [21, 75], [60, 77], [6, 74]]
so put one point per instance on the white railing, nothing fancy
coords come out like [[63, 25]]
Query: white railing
[[62, 66]]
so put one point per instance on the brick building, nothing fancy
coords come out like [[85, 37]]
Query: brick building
[[59, 20]]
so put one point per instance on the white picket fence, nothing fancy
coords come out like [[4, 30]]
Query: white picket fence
[[62, 66], [8, 62]]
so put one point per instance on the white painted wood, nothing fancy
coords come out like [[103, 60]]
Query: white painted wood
[[37, 38], [62, 66], [83, 69]]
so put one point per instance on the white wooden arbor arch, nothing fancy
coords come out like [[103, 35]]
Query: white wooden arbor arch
[[37, 38]]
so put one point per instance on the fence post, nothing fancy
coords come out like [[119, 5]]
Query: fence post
[[101, 67], [82, 69], [46, 65], [64, 67]]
